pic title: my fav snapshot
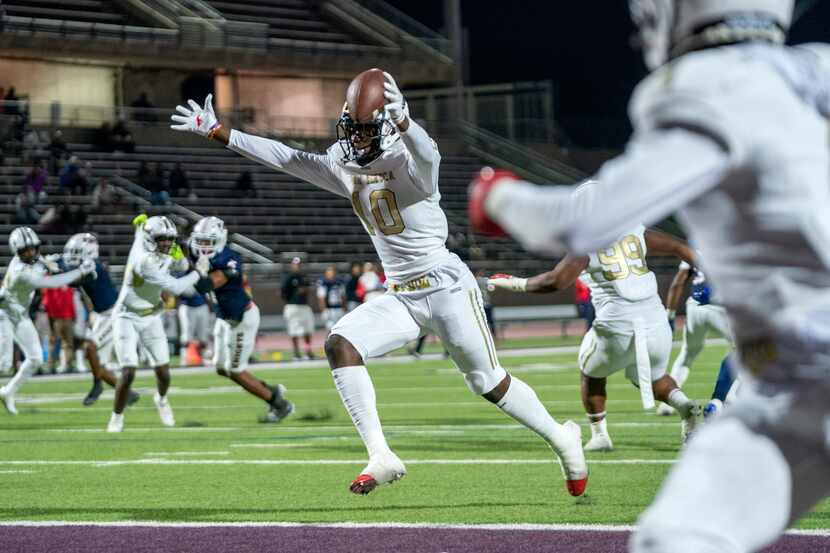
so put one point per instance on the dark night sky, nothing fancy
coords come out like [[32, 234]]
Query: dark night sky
[[582, 46]]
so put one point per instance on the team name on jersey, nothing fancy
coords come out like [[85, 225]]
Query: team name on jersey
[[363, 180]]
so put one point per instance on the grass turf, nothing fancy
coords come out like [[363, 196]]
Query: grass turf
[[220, 464]]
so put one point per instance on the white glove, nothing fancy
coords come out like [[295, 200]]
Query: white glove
[[507, 282], [87, 267], [200, 120], [203, 266], [51, 262], [395, 104]]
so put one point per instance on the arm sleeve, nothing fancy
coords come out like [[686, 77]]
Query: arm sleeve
[[658, 174], [316, 169], [53, 281], [176, 286], [425, 159]]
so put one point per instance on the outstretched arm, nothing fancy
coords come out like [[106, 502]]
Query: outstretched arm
[[678, 284], [660, 243], [176, 286], [563, 275], [54, 281], [314, 168], [423, 169], [659, 173]]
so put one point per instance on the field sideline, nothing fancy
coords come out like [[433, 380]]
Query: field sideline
[[468, 464]]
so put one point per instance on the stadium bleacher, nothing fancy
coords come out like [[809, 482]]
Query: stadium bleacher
[[90, 11]]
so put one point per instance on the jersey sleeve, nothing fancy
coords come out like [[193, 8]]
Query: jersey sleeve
[[316, 169], [51, 281], [657, 174], [153, 274], [424, 158]]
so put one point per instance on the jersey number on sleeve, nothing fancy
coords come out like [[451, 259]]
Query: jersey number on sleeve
[[385, 212], [623, 259]]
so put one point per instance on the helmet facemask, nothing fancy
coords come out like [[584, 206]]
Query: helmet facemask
[[363, 143], [208, 237]]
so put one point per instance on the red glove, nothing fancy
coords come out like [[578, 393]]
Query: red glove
[[479, 190]]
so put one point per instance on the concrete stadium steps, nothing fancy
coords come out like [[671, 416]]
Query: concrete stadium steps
[[286, 19], [89, 11]]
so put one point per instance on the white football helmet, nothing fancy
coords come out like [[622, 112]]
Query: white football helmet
[[22, 238], [80, 247], [209, 237], [156, 228], [670, 28]]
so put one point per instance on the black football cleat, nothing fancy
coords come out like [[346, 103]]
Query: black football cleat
[[94, 393]]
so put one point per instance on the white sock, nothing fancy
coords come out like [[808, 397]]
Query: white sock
[[598, 426], [79, 360], [27, 367], [680, 402], [521, 403], [358, 395], [116, 417], [679, 373]]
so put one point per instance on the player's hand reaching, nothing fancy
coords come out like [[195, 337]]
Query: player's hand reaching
[[87, 267], [507, 282], [203, 266], [395, 104], [199, 119], [481, 187]]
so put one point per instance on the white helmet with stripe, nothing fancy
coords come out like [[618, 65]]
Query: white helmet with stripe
[[157, 228], [209, 237], [22, 238], [671, 28]]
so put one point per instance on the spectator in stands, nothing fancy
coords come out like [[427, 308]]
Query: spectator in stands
[[12, 105], [352, 299], [82, 179], [58, 151], [25, 212], [121, 139], [56, 220], [103, 138], [31, 144], [299, 318], [60, 307], [34, 185], [76, 220], [104, 195], [177, 181], [141, 109], [584, 306], [67, 175], [151, 179], [245, 184]]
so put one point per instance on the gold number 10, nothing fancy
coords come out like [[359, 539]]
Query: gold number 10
[[396, 226], [616, 260]]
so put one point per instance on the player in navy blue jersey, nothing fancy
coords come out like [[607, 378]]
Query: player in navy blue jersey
[[237, 316], [102, 294]]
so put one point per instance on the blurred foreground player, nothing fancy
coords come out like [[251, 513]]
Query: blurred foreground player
[[731, 134], [388, 166]]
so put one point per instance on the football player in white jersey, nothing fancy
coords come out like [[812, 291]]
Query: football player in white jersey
[[26, 273], [702, 315], [631, 331], [137, 313], [387, 165], [729, 136]]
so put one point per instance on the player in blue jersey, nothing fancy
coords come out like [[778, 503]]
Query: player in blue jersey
[[237, 315], [102, 294], [702, 315]]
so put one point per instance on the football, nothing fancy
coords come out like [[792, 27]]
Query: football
[[365, 95]]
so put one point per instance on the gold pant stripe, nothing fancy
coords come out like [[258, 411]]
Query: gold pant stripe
[[588, 353], [482, 328], [490, 340]]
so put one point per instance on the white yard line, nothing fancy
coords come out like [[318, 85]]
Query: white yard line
[[185, 453], [161, 461], [361, 525]]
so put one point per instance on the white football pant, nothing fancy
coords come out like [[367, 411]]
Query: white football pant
[[700, 319], [131, 329], [28, 340], [234, 343]]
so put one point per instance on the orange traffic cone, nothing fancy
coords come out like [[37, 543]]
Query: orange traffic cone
[[193, 357]]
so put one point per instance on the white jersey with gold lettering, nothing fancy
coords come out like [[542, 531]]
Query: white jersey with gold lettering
[[395, 197], [619, 278]]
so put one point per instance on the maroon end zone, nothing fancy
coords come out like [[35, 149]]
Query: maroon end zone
[[291, 539]]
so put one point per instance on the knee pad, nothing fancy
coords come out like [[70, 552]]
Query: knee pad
[[483, 381]]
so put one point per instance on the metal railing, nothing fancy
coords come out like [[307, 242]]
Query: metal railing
[[409, 25], [94, 31]]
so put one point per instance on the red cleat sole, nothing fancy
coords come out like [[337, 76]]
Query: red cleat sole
[[363, 484], [577, 487]]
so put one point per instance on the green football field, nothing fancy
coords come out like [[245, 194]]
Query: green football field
[[467, 462]]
